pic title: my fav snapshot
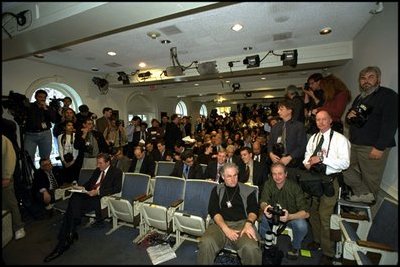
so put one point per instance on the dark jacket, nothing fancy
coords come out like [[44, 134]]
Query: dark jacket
[[147, 167], [112, 183], [195, 172]]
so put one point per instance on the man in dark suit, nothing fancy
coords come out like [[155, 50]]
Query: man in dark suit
[[142, 163], [105, 180], [251, 171], [213, 168], [45, 183], [160, 153], [258, 155], [140, 135], [187, 167], [231, 157], [172, 133]]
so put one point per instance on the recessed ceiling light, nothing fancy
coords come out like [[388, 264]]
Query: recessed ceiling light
[[111, 53], [326, 30], [263, 78], [142, 64], [247, 48], [95, 69], [237, 27], [153, 35], [38, 55], [165, 41], [196, 84], [227, 81]]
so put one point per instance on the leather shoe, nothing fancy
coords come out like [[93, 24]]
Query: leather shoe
[[57, 252]]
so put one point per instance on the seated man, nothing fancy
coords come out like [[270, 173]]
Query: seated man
[[141, 162], [187, 167], [234, 210], [288, 194], [105, 180], [45, 183]]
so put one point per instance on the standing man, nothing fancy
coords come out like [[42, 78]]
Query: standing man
[[233, 208], [288, 139], [373, 125], [173, 133], [327, 154], [103, 122], [105, 180], [38, 125], [289, 195], [313, 98]]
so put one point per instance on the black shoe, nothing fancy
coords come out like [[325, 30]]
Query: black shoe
[[57, 252]]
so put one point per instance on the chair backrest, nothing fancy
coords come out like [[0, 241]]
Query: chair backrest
[[197, 197], [164, 168], [135, 184], [254, 187], [167, 189], [84, 175], [385, 227]]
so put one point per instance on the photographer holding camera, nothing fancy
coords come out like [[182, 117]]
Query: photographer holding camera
[[327, 155], [373, 124], [287, 193], [38, 125], [313, 98]]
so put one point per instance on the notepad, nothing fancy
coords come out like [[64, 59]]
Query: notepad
[[305, 253], [160, 253]]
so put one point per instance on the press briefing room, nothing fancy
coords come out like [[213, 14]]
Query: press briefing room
[[199, 133]]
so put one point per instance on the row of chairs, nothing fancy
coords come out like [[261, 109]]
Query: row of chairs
[[363, 238]]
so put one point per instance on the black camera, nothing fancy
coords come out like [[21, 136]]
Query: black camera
[[362, 113], [318, 168], [68, 157], [55, 103], [18, 105], [278, 149], [276, 212], [306, 86]]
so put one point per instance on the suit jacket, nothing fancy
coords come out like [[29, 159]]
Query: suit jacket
[[263, 159], [236, 159], [211, 171], [260, 174], [147, 167], [124, 163], [101, 124], [195, 171], [111, 184], [41, 180], [136, 137]]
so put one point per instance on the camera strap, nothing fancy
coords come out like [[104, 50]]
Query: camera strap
[[329, 144]]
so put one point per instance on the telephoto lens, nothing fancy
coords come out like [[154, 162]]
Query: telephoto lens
[[268, 240]]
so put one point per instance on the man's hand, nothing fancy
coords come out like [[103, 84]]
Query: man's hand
[[375, 153], [46, 197], [248, 229], [267, 213], [274, 157], [285, 160], [232, 234], [285, 217], [92, 193]]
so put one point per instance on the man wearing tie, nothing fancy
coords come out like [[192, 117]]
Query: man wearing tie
[[213, 168], [250, 171], [105, 180], [187, 167]]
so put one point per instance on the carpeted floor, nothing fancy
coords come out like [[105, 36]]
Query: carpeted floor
[[94, 247]]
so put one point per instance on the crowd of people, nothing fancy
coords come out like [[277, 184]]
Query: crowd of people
[[275, 149]]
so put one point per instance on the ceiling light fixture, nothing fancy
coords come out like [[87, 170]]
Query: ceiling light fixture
[[252, 61], [153, 35], [289, 58], [165, 41], [326, 30], [111, 53], [237, 27], [142, 64], [247, 48]]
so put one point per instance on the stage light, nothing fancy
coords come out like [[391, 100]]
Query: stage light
[[289, 58], [123, 77], [252, 61], [144, 75]]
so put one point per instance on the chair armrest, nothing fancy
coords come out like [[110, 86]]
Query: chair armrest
[[65, 186], [348, 215], [142, 198], [115, 197], [176, 203], [376, 245]]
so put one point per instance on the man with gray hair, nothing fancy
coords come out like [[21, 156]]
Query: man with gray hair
[[373, 124]]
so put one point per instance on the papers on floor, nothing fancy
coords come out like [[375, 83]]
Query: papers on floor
[[160, 253]]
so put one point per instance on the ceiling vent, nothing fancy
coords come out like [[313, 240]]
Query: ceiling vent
[[113, 65], [170, 30], [282, 36]]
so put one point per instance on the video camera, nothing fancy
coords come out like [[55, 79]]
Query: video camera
[[55, 103], [18, 105], [276, 212], [278, 149], [362, 113]]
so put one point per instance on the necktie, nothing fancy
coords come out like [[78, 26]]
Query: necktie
[[284, 137], [99, 183], [319, 146], [186, 171], [218, 173], [53, 181], [247, 173]]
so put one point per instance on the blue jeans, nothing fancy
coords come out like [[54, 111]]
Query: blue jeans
[[43, 140], [299, 228]]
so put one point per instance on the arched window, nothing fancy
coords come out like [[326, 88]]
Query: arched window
[[181, 109], [203, 110], [59, 91]]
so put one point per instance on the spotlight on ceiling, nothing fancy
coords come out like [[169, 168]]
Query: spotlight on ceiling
[[235, 87], [102, 84], [123, 77], [144, 75], [289, 58], [207, 68], [252, 61]]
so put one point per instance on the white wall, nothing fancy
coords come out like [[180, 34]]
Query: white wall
[[377, 45]]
